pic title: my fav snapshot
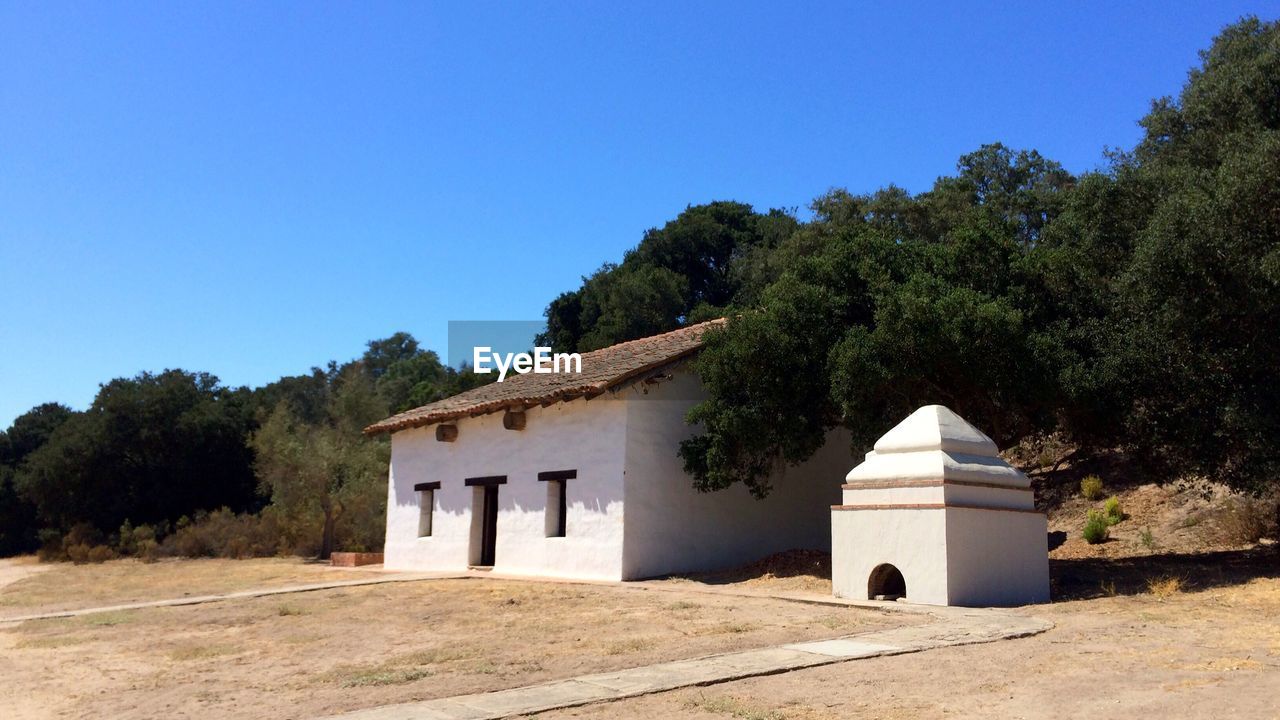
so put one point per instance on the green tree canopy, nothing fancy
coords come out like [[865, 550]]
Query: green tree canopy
[[887, 302], [327, 483], [19, 524], [689, 269], [149, 449]]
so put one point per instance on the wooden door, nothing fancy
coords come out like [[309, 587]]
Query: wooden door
[[489, 531]]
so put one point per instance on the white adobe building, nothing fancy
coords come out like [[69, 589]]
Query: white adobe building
[[577, 476], [934, 515]]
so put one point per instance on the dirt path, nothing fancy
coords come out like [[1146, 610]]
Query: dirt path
[[20, 568], [240, 595], [54, 587]]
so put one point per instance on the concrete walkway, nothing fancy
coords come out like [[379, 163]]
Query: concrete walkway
[[953, 626], [260, 592]]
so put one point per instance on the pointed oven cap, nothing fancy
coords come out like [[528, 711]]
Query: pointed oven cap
[[934, 427]]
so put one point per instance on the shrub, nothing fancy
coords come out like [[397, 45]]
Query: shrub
[[124, 538], [77, 553], [1112, 510], [148, 551], [1096, 528], [1245, 520], [79, 541], [82, 534], [51, 549], [100, 554], [1148, 540], [132, 540], [223, 533], [1091, 487]]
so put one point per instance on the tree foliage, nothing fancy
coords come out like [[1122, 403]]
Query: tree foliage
[[325, 480], [689, 269], [1196, 327], [19, 524], [887, 302], [149, 448]]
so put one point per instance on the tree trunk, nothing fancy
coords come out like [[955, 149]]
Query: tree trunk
[[326, 541]]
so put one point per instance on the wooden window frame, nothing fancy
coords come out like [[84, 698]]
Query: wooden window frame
[[426, 507], [562, 511]]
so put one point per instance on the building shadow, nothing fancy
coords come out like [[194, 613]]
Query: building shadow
[[1086, 578]]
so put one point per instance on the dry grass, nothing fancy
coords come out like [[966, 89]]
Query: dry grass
[[733, 707], [634, 645], [395, 676], [65, 586], [202, 652], [330, 651], [1165, 586]]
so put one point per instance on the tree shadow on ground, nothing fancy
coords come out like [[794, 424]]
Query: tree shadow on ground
[[1119, 471], [1086, 578], [1074, 579], [814, 564]]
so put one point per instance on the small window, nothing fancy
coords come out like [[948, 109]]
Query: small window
[[555, 508], [557, 500], [427, 503], [426, 506]]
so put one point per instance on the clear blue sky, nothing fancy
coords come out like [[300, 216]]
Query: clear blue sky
[[254, 188]]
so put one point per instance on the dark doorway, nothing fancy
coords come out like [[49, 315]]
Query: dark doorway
[[886, 583], [489, 530], [484, 519]]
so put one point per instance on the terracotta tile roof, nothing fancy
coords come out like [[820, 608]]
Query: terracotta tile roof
[[601, 370]]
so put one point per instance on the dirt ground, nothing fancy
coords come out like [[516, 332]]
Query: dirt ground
[[315, 653], [20, 568], [1159, 519], [1153, 649], [1167, 619]]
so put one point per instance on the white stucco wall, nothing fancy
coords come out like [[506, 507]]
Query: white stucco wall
[[947, 556], [587, 436], [672, 528], [996, 557], [914, 540]]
